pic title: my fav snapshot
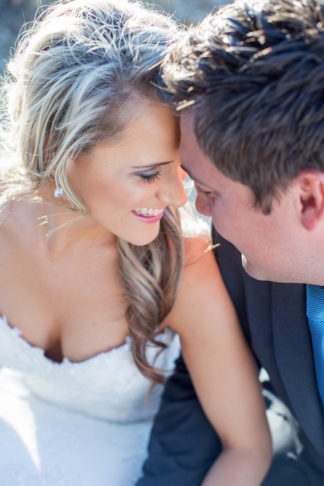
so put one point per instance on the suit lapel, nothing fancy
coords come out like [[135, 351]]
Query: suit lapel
[[293, 352]]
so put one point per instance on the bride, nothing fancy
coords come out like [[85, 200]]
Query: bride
[[97, 282]]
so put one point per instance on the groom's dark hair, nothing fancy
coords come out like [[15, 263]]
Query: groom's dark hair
[[253, 76]]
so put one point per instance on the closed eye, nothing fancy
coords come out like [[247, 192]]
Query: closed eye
[[149, 175], [204, 192]]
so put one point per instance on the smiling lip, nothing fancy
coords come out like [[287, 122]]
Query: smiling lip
[[148, 219]]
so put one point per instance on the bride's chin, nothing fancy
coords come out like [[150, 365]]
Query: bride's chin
[[139, 240]]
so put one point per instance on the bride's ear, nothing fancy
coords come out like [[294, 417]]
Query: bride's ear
[[311, 198]]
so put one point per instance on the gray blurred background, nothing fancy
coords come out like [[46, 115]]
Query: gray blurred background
[[13, 13]]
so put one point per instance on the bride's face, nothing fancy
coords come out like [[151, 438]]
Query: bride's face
[[128, 183]]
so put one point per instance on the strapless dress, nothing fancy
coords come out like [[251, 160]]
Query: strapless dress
[[75, 424]]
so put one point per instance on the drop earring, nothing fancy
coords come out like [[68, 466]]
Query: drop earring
[[58, 192]]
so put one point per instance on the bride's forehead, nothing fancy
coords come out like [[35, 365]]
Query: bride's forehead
[[150, 137]]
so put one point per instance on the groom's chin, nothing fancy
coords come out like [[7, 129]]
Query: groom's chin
[[252, 270], [265, 274]]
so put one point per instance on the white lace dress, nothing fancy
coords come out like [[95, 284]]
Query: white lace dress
[[74, 424]]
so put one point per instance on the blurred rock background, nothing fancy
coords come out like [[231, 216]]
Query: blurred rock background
[[13, 13]]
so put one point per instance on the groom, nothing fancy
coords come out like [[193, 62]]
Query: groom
[[249, 81]]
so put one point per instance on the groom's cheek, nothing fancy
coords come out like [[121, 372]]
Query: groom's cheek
[[200, 206]]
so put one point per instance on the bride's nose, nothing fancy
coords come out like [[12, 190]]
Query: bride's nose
[[172, 191]]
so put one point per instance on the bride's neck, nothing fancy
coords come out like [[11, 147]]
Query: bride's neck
[[65, 229]]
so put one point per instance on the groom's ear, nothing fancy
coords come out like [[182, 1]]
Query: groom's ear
[[311, 198]]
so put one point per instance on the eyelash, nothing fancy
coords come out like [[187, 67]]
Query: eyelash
[[150, 177], [205, 193]]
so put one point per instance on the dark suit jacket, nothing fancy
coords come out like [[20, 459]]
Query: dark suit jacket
[[274, 322]]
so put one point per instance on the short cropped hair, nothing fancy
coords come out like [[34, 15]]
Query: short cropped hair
[[253, 75]]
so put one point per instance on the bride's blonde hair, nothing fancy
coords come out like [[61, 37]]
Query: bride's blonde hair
[[73, 71]]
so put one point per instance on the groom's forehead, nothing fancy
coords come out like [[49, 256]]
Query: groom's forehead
[[189, 147], [186, 121], [200, 167], [193, 159]]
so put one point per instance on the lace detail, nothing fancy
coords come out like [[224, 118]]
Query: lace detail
[[71, 424]]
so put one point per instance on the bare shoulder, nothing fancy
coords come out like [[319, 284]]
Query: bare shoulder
[[200, 264], [6, 209], [9, 212], [195, 248], [18, 244], [15, 225], [202, 293]]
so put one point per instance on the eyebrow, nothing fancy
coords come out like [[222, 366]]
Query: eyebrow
[[196, 179], [154, 164]]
